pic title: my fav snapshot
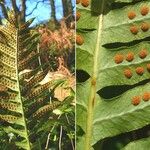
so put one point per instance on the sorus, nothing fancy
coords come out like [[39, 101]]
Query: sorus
[[134, 29], [143, 53], [146, 96], [93, 81], [79, 40], [130, 56], [139, 70], [136, 100], [118, 58], [78, 15], [128, 73], [3, 88], [148, 67], [85, 3], [144, 10], [145, 27], [131, 15], [77, 1]]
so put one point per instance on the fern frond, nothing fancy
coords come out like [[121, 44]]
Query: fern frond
[[8, 118], [8, 72], [8, 106], [45, 109], [24, 98], [39, 90]]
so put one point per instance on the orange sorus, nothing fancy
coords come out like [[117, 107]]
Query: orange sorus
[[144, 10], [77, 1], [134, 29], [128, 73], [130, 56], [146, 96], [79, 40], [85, 3], [131, 15], [143, 53], [139, 70], [118, 58], [145, 27], [136, 100], [148, 67], [78, 15]]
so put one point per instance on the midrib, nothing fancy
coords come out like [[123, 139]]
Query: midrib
[[92, 96], [22, 110]]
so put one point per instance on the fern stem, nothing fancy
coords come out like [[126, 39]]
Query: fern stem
[[48, 138], [92, 96], [60, 137], [39, 59], [73, 148], [23, 115]]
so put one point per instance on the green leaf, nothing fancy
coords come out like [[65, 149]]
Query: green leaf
[[142, 144], [104, 100]]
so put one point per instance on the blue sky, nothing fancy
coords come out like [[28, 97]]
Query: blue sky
[[43, 10]]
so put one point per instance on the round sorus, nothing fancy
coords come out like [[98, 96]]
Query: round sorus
[[148, 67], [128, 73], [77, 1], [118, 58], [143, 53], [85, 3], [130, 56], [146, 96], [144, 10], [139, 70], [78, 15], [145, 27], [136, 100], [134, 29], [131, 15], [79, 40]]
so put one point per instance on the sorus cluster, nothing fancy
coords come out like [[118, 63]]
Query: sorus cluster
[[137, 99], [139, 71], [8, 118], [134, 29], [144, 10], [8, 96], [9, 106], [119, 58], [84, 3]]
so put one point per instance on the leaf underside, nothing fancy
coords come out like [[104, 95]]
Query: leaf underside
[[113, 112]]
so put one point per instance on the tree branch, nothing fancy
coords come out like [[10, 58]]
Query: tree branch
[[4, 11], [23, 10], [14, 5], [42, 1]]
